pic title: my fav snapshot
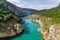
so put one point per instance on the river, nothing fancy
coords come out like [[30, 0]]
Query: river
[[30, 31]]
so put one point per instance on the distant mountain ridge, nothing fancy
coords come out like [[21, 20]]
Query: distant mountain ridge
[[53, 13], [19, 11]]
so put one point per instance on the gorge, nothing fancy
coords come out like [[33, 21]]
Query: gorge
[[29, 28]]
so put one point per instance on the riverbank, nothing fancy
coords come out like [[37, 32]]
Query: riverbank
[[40, 29], [49, 30], [44, 25], [10, 24], [30, 31], [34, 18]]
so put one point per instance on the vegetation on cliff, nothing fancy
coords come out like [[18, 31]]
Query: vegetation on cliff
[[52, 13], [9, 22], [50, 17]]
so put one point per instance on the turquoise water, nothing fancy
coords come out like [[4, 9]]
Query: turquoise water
[[30, 31]]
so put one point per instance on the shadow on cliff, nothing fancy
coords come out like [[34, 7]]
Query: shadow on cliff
[[26, 31], [11, 38]]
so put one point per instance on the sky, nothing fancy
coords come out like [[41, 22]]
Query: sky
[[36, 4]]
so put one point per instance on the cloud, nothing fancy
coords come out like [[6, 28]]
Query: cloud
[[36, 4], [12, 0]]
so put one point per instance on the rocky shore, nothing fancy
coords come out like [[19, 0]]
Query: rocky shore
[[48, 30], [11, 32], [10, 28], [34, 17], [10, 24]]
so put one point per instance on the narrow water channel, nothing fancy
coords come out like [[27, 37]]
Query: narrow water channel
[[30, 31]]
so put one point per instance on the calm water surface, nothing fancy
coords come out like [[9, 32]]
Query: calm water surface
[[30, 31]]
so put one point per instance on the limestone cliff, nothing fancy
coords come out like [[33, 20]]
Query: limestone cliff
[[9, 22]]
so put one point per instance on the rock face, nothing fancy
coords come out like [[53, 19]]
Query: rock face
[[11, 31], [10, 24]]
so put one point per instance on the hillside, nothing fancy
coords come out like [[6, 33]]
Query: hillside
[[9, 22], [18, 10], [49, 20], [51, 23], [52, 13], [10, 18]]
